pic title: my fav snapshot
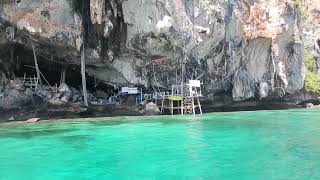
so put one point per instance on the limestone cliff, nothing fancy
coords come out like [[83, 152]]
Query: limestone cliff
[[245, 49]]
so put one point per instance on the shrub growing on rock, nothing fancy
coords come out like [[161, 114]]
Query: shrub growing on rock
[[312, 82]]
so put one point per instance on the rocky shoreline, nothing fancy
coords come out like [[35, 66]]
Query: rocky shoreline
[[50, 112], [19, 103]]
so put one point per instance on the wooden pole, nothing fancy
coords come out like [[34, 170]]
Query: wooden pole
[[180, 105], [171, 106], [12, 61], [199, 105], [63, 76], [182, 84], [83, 76], [36, 63], [193, 107], [83, 62], [162, 104]]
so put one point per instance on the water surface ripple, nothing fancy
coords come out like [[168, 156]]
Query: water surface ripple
[[273, 145]]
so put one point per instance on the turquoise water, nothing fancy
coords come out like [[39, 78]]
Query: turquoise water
[[241, 145]]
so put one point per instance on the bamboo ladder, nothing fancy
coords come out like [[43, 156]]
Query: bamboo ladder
[[31, 82]]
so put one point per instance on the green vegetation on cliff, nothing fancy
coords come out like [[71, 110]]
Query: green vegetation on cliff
[[312, 82], [301, 8]]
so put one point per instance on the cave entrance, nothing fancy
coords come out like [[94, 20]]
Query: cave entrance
[[54, 72], [94, 85], [50, 69]]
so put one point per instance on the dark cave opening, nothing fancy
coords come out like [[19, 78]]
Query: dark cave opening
[[52, 71], [21, 64], [50, 68], [73, 78]]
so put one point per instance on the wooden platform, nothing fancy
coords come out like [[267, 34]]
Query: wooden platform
[[184, 98]]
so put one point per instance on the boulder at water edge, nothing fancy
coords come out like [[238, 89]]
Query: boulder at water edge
[[32, 120]]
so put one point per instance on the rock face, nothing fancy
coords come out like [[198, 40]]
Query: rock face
[[49, 19], [152, 109], [14, 95], [253, 49]]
